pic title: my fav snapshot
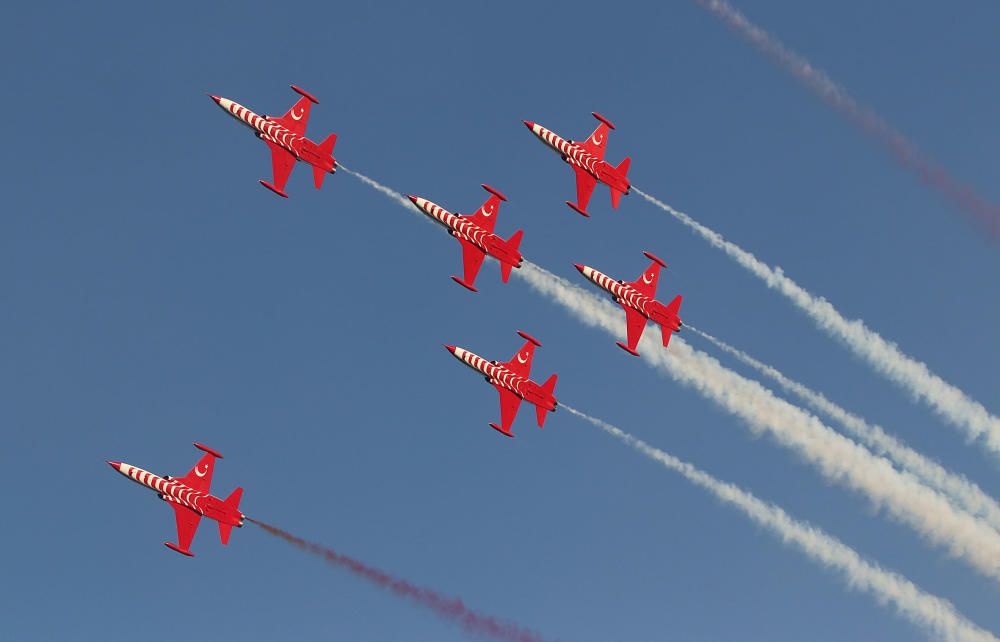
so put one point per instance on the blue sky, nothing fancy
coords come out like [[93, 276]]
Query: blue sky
[[154, 295]]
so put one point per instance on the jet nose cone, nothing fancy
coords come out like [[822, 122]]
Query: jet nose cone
[[117, 465], [412, 198], [528, 124], [215, 98], [578, 267], [450, 349]]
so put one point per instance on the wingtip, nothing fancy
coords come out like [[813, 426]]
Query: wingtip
[[467, 286], [500, 430], [576, 208], [524, 335], [626, 349]]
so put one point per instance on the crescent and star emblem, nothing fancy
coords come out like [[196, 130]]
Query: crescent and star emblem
[[488, 211], [647, 278], [522, 358], [201, 473], [297, 117], [597, 141]]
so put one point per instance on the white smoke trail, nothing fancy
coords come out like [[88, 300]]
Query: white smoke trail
[[964, 493], [931, 613], [388, 191], [946, 400], [837, 457], [864, 118]]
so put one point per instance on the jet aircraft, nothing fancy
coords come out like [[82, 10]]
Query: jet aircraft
[[511, 380], [285, 136], [587, 160], [638, 300], [475, 233], [189, 497]]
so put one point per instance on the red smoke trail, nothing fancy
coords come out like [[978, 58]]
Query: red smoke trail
[[931, 173], [448, 607]]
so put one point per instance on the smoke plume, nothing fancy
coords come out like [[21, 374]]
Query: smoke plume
[[450, 608], [931, 613], [904, 151], [950, 403]]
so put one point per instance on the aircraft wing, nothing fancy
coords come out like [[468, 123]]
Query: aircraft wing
[[509, 404], [187, 524], [282, 163], [200, 477], [635, 324], [486, 216], [647, 281], [597, 142], [472, 260], [585, 184], [520, 363], [297, 117]]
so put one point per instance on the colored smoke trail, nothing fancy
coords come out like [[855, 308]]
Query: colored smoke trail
[[964, 493], [915, 377], [836, 457], [905, 152], [935, 615], [448, 607]]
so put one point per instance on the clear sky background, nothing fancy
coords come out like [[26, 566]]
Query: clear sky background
[[153, 294]]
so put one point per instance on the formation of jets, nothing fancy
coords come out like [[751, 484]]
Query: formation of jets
[[189, 495]]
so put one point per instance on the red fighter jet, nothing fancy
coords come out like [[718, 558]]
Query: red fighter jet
[[189, 497], [475, 233], [512, 382], [587, 160], [286, 138], [637, 298]]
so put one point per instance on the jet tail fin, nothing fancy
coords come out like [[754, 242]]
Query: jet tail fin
[[233, 501], [675, 306], [326, 149], [616, 196], [548, 388], [513, 244], [672, 308]]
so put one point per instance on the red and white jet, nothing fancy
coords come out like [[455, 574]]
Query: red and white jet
[[637, 298], [475, 233], [587, 160], [189, 497], [286, 138], [511, 381]]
